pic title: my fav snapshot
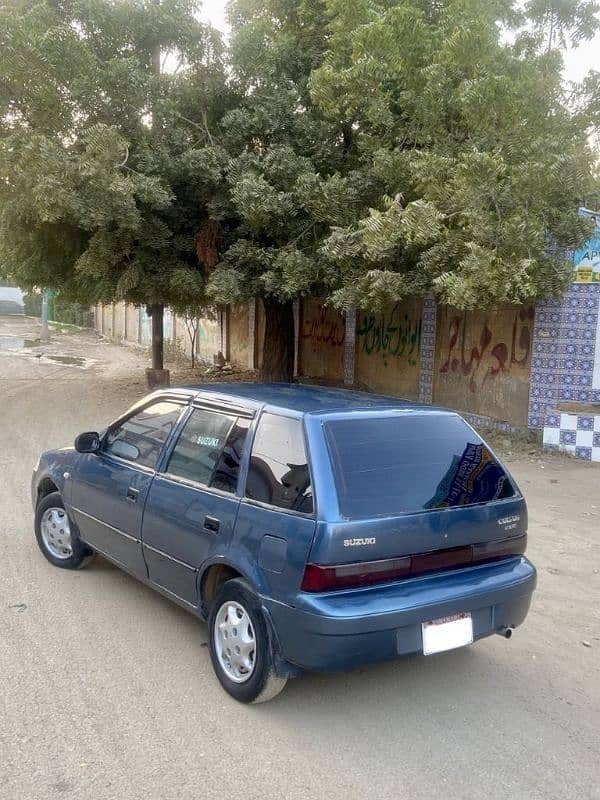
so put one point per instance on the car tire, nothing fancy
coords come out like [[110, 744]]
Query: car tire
[[236, 619], [57, 537]]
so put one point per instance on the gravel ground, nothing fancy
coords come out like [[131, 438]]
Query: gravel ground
[[106, 689]]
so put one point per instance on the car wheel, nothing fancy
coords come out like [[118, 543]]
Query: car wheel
[[55, 535], [239, 644]]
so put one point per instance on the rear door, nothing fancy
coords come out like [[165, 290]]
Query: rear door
[[192, 504], [276, 523], [413, 482], [110, 487]]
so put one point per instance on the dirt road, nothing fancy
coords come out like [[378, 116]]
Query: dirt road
[[106, 689]]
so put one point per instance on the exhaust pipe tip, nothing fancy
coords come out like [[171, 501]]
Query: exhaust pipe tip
[[505, 631]]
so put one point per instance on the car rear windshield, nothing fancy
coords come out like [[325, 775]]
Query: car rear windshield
[[411, 462]]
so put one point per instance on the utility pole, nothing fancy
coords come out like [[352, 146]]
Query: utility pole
[[45, 335]]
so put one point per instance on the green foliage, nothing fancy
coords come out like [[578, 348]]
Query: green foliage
[[290, 176], [361, 150], [108, 165], [60, 310], [482, 162], [562, 22]]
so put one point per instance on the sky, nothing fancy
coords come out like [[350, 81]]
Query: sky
[[578, 61]]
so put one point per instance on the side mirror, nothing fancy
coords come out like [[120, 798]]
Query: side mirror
[[88, 442]]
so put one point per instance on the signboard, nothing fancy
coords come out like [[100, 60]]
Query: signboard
[[587, 258]]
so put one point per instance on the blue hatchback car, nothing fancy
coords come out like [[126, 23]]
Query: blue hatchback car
[[313, 528]]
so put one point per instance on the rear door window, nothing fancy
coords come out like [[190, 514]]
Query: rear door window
[[209, 450], [278, 474], [406, 463]]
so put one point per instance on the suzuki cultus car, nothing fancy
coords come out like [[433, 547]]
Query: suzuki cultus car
[[312, 528]]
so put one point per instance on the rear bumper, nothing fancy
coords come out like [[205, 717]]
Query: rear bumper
[[341, 630]]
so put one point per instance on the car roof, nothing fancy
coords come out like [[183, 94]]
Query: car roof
[[299, 398]]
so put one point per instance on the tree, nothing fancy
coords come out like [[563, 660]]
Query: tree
[[360, 151], [107, 161], [192, 317], [562, 22], [481, 162], [385, 149], [289, 178]]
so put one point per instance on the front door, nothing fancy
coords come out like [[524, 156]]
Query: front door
[[192, 504], [110, 487]]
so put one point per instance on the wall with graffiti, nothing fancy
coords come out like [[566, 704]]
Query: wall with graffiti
[[387, 349], [321, 341], [483, 361]]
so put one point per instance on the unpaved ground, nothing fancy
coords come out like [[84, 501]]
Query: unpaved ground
[[106, 689]]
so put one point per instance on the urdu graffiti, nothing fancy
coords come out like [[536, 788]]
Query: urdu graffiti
[[324, 327], [392, 334], [493, 355]]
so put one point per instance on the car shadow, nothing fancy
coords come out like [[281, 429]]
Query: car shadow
[[408, 686]]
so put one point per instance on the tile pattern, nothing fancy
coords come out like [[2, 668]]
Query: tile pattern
[[564, 343], [350, 346], [479, 421], [427, 351], [578, 434]]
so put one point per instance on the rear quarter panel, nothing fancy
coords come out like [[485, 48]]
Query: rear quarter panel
[[275, 546]]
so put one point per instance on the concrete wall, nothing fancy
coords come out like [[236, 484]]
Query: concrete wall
[[107, 321], [483, 361], [209, 339], [388, 349], [132, 319], [479, 363], [182, 337], [237, 326], [322, 332], [259, 333], [130, 323], [119, 321]]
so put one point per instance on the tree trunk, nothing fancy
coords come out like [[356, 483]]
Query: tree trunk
[[157, 376], [278, 350], [157, 336]]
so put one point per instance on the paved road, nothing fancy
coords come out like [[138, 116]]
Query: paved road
[[106, 689]]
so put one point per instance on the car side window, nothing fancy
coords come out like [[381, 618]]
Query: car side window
[[225, 476], [209, 450], [278, 472], [142, 436]]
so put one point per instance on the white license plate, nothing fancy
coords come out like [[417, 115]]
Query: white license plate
[[447, 633]]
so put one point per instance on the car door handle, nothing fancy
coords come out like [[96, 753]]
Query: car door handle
[[132, 494], [211, 524]]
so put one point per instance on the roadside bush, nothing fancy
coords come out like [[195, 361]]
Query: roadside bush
[[60, 310]]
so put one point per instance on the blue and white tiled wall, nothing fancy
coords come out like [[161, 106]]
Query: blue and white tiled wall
[[565, 365], [427, 352], [578, 434]]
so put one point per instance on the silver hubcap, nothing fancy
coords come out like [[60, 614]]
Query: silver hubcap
[[56, 533], [234, 640]]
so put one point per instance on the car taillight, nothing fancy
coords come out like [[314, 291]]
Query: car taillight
[[507, 547], [319, 578], [345, 576]]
